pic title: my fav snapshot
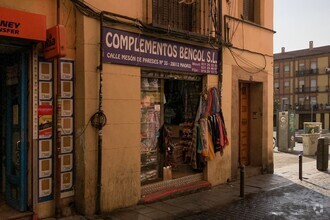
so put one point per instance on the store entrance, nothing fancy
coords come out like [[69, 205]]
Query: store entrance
[[168, 111], [180, 108], [13, 130]]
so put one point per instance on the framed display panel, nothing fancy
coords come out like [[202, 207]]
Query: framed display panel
[[66, 181], [45, 90], [66, 89], [45, 71], [45, 187], [66, 144], [67, 125], [45, 168], [66, 162], [67, 107], [45, 130], [45, 148], [66, 69]]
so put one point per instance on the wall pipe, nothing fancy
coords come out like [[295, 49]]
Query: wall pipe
[[220, 60], [57, 116], [100, 130]]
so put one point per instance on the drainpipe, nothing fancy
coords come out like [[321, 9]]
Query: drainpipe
[[57, 126], [220, 46], [101, 123]]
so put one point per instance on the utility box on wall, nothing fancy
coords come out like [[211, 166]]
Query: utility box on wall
[[286, 131]]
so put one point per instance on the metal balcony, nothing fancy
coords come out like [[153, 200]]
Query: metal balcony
[[307, 72], [307, 89]]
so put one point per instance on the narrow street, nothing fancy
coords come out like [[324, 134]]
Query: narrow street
[[290, 202], [306, 199]]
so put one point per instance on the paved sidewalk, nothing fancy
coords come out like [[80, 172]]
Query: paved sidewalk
[[314, 183], [202, 201]]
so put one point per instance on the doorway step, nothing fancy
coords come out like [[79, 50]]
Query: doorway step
[[6, 212], [173, 188]]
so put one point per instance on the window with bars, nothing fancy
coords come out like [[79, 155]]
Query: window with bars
[[174, 15], [198, 16], [251, 10]]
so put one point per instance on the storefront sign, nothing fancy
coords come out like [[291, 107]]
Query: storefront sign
[[55, 45], [20, 24], [123, 47]]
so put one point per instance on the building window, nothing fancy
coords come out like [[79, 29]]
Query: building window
[[251, 10], [174, 14], [313, 85], [313, 101], [301, 100], [276, 86], [286, 84], [286, 67], [313, 67], [276, 69], [301, 66], [301, 85]]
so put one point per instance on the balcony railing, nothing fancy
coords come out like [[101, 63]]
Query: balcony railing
[[315, 107], [307, 89], [307, 72]]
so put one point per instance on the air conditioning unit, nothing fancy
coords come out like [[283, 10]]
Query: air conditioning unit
[[327, 69]]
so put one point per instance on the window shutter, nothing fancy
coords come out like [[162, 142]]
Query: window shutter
[[248, 10], [178, 16]]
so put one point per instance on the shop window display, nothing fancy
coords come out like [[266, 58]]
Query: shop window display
[[182, 128]]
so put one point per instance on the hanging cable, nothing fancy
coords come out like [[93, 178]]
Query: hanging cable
[[91, 11], [247, 62]]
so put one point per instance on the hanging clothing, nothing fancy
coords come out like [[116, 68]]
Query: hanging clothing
[[206, 139]]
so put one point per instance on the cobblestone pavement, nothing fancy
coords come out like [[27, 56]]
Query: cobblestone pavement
[[289, 202], [306, 199], [286, 165]]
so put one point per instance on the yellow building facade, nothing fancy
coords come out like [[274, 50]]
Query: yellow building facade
[[126, 100], [301, 83]]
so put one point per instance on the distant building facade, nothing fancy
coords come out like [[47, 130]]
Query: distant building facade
[[301, 83]]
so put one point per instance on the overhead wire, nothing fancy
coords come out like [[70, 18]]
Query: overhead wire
[[88, 10], [237, 57]]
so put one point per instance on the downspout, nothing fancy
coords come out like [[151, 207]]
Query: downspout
[[100, 120], [57, 115], [220, 42]]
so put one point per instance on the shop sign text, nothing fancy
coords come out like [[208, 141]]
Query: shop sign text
[[133, 49], [21, 24]]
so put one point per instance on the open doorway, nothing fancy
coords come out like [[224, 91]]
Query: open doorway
[[168, 110], [180, 109], [250, 132], [14, 127]]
